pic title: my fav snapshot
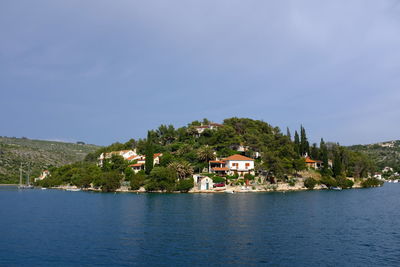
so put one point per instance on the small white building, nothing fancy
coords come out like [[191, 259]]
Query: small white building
[[203, 182]]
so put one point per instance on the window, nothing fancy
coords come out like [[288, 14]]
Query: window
[[247, 165]]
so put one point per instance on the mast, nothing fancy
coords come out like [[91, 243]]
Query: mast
[[29, 171], [20, 175]]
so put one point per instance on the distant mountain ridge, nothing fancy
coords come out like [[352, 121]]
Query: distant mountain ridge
[[39, 154], [383, 153]]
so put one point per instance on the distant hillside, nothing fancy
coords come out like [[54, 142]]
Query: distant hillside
[[38, 153], [384, 154]]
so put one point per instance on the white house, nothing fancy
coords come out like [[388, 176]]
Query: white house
[[141, 160], [123, 153], [231, 165], [239, 164], [44, 174], [387, 169], [211, 126]]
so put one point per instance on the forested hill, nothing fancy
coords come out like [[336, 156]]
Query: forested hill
[[39, 154], [384, 154], [281, 153]]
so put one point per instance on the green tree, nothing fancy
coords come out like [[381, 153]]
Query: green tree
[[324, 157], [149, 163], [337, 164], [299, 164], [182, 169], [109, 181], [161, 178], [310, 183], [137, 180], [304, 145], [314, 152], [205, 154], [297, 143], [185, 185]]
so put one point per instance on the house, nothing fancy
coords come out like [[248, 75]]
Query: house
[[203, 182], [218, 167], [211, 126], [235, 164], [44, 174], [387, 169], [123, 153], [141, 160], [313, 164], [137, 167], [239, 164]]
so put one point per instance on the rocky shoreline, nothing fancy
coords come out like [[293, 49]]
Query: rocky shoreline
[[278, 187]]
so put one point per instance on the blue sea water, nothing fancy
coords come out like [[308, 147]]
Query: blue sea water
[[314, 228]]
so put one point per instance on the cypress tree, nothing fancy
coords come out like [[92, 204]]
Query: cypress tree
[[297, 143], [149, 153], [304, 145], [288, 133], [337, 163], [324, 157], [314, 153]]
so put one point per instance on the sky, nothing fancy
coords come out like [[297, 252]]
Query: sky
[[104, 71]]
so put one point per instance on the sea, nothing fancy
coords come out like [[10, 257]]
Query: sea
[[357, 227]]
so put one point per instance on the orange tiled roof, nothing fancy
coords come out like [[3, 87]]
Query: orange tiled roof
[[136, 165], [309, 160], [239, 158], [220, 169], [217, 161]]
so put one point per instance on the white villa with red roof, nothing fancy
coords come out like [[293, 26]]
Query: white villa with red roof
[[231, 165], [211, 126], [141, 160], [126, 154]]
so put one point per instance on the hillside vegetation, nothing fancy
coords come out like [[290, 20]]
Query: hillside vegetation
[[386, 154], [38, 154]]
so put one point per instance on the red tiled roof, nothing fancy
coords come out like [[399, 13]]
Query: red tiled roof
[[157, 155], [217, 161], [309, 160], [238, 157], [136, 165], [220, 169]]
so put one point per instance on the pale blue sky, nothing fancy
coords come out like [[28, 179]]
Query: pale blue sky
[[105, 71]]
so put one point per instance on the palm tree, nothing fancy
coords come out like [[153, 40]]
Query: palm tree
[[205, 153], [182, 169]]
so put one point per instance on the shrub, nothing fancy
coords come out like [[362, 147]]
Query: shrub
[[218, 179], [310, 183], [185, 185], [110, 181], [137, 181], [328, 181], [345, 183], [292, 182], [371, 182], [248, 176]]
